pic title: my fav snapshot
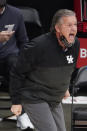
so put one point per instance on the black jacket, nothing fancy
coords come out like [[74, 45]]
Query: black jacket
[[43, 70]]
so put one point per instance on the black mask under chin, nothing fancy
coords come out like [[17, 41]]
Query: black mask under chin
[[2, 3], [66, 43]]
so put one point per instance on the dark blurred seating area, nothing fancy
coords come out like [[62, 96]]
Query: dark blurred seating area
[[46, 9]]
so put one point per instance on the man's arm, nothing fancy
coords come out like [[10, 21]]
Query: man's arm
[[19, 71], [21, 33], [18, 75]]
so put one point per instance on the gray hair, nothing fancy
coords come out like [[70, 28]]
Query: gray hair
[[57, 18]]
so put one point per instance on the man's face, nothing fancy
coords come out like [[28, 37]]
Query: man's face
[[68, 28]]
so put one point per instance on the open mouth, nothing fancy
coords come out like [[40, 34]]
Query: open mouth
[[72, 36]]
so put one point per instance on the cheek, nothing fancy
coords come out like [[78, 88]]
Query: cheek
[[65, 31], [76, 30]]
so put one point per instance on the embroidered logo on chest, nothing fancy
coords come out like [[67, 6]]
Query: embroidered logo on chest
[[69, 59]]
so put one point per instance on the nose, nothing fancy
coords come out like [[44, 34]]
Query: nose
[[74, 28]]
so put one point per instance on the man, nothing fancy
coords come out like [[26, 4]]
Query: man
[[13, 37], [42, 73]]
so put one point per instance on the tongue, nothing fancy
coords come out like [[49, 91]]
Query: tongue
[[71, 36]]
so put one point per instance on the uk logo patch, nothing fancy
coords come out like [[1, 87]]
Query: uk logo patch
[[69, 59]]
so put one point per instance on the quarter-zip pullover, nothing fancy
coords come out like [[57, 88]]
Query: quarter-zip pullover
[[43, 70]]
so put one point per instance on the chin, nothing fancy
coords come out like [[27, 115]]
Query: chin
[[71, 41]]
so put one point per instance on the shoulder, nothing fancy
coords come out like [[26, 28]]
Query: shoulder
[[43, 40], [36, 42], [13, 10], [39, 43], [77, 42]]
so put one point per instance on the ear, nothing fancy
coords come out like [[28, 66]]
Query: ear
[[57, 28]]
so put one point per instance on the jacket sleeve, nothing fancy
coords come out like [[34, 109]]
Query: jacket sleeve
[[21, 33], [19, 71]]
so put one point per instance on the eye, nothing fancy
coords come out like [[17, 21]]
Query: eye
[[72, 25], [69, 25], [75, 24]]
